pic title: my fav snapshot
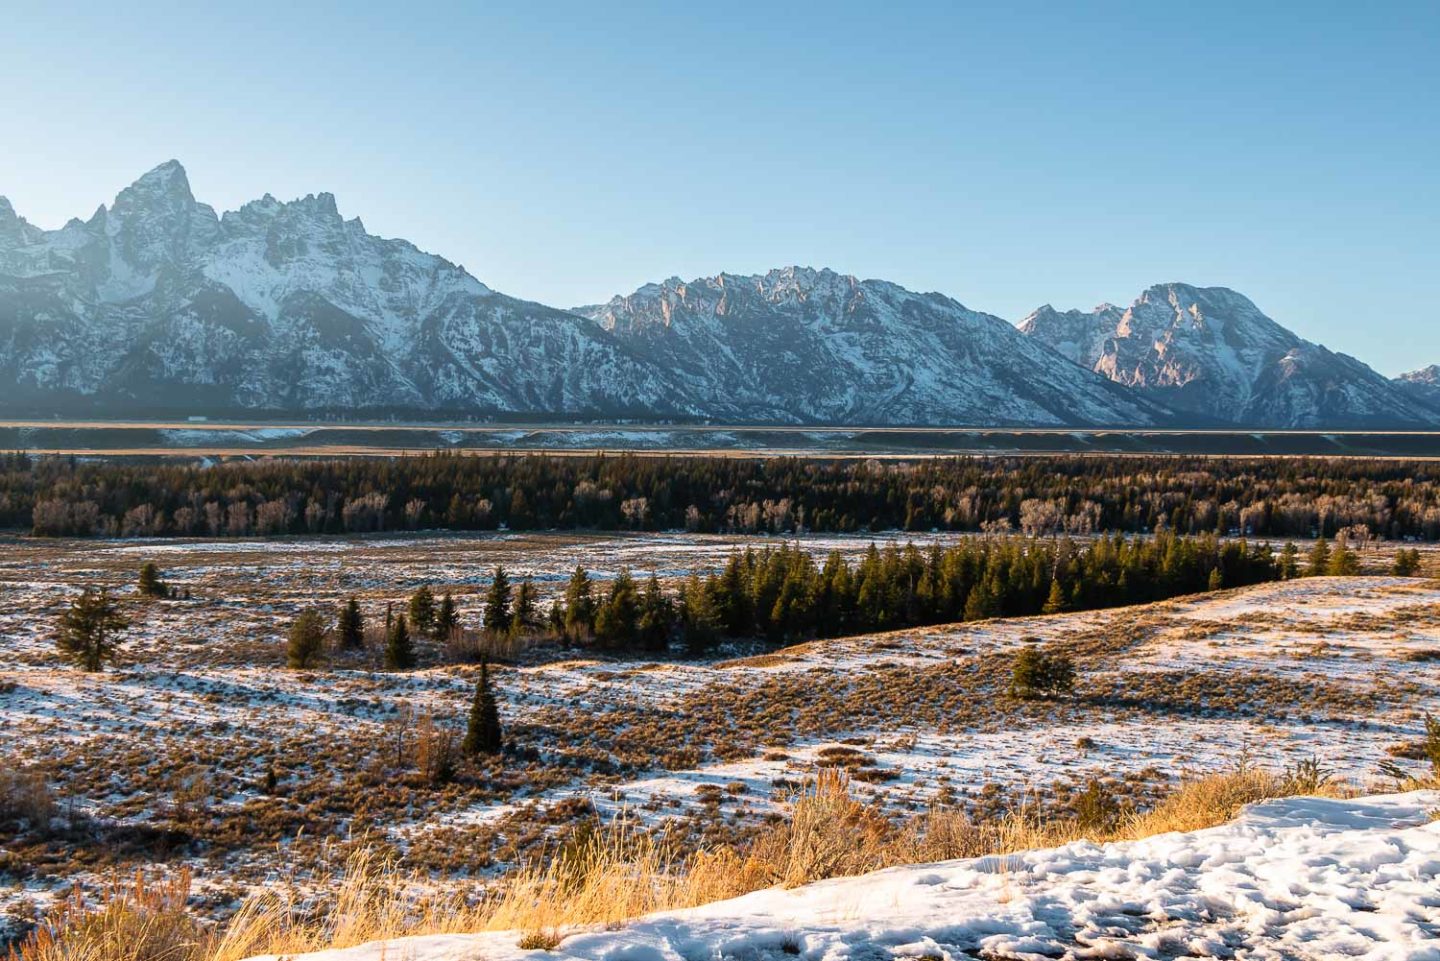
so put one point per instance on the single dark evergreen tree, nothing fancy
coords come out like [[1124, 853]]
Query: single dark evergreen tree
[[1407, 562], [447, 619], [422, 610], [1343, 561], [579, 606], [1055, 601], [1319, 560], [483, 734], [351, 626], [981, 603], [150, 583], [306, 641], [1037, 672], [700, 616], [1289, 563], [497, 603], [89, 630], [399, 652], [525, 616], [616, 619], [657, 615]]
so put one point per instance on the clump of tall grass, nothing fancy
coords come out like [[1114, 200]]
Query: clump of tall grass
[[141, 919]]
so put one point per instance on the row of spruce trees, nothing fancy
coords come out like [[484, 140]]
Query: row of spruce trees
[[783, 594]]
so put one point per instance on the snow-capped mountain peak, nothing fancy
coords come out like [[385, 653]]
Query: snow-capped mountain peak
[[1212, 354]]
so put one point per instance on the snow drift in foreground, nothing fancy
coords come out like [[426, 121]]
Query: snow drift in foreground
[[1298, 878]]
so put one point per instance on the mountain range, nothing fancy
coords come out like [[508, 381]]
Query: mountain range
[[157, 305]]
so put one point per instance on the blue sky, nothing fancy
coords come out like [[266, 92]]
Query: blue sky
[[1005, 154]]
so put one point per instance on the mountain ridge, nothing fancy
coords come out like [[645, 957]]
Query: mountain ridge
[[833, 348], [156, 303]]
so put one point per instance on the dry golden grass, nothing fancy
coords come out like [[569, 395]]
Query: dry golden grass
[[141, 920], [608, 875]]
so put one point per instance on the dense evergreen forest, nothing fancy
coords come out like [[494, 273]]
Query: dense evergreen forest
[[783, 594], [1277, 498]]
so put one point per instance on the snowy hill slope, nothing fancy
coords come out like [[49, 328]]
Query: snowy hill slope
[[821, 346], [1296, 878], [1211, 354]]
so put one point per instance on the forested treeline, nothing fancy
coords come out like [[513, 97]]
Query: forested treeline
[[1036, 495], [783, 594]]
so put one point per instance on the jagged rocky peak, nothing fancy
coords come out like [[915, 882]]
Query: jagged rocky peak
[[156, 220]]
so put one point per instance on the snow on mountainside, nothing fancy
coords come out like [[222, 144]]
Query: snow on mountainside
[[1211, 354], [157, 302], [159, 305], [1298, 878], [1422, 384], [825, 347]]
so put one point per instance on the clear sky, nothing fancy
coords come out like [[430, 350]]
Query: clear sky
[[1007, 154]]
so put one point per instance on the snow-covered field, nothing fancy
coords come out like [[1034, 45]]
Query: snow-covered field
[[1301, 878], [164, 758]]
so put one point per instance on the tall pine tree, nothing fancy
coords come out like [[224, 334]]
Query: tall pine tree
[[447, 619], [483, 734], [89, 629], [497, 603], [306, 641], [656, 616], [422, 610], [525, 616], [351, 626], [399, 651], [579, 606]]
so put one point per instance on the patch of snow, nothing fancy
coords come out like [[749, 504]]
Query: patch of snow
[[1297, 878]]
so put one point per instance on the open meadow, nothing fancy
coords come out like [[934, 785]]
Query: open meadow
[[200, 750]]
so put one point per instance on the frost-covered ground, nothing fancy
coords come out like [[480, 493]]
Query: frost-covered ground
[[1301, 878], [165, 758]]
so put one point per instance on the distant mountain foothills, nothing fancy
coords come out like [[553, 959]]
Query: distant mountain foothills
[[158, 306]]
